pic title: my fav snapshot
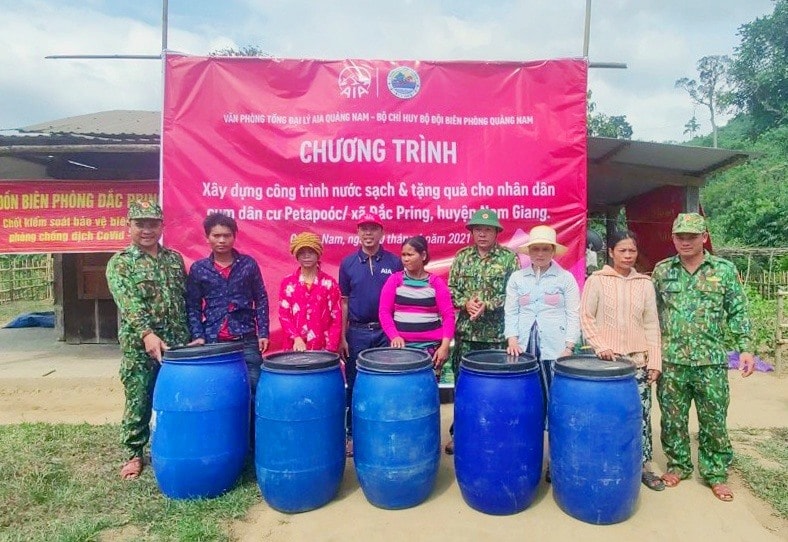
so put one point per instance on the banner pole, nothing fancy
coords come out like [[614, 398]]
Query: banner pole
[[587, 35]]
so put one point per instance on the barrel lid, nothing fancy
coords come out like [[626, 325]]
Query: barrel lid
[[594, 367], [202, 351], [498, 361], [301, 361], [393, 360]]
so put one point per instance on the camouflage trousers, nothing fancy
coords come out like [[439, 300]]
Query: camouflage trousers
[[138, 374], [708, 386], [463, 347]]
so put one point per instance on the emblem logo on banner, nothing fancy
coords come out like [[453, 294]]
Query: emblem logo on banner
[[354, 81], [404, 82]]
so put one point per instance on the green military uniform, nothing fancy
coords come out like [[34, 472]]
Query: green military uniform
[[693, 310], [471, 275], [150, 295]]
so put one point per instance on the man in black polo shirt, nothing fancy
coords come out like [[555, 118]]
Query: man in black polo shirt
[[362, 275]]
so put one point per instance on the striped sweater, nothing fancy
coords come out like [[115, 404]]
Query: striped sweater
[[416, 310], [620, 314]]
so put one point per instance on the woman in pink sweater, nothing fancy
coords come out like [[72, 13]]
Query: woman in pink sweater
[[415, 306], [618, 316]]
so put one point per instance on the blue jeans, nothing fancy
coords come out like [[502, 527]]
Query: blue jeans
[[253, 360], [358, 340]]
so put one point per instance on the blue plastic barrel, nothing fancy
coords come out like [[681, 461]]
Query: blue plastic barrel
[[300, 430], [595, 420], [200, 436], [498, 431], [396, 426]]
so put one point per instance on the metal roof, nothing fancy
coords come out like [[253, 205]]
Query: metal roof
[[113, 124], [618, 169]]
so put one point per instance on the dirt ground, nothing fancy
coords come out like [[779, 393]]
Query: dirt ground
[[42, 380]]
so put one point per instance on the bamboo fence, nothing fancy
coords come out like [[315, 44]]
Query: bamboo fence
[[27, 277]]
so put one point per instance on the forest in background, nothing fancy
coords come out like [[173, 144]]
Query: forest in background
[[747, 205]]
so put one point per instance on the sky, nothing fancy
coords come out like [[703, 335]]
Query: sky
[[659, 40]]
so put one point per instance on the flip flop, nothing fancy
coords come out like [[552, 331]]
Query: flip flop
[[652, 481], [722, 492], [132, 469], [449, 448], [671, 479]]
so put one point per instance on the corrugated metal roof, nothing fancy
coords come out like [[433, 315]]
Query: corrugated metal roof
[[620, 169], [108, 124]]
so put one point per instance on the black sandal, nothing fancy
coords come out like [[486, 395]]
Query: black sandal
[[652, 481]]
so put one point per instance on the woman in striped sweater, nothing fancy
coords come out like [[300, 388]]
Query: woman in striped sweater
[[618, 315], [415, 306]]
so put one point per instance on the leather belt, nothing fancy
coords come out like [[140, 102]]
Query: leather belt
[[366, 325]]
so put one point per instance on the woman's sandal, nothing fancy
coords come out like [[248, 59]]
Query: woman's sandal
[[722, 492], [652, 481], [132, 469]]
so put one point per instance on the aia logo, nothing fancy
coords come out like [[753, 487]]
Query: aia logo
[[354, 81]]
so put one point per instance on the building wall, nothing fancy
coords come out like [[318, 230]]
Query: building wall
[[89, 314]]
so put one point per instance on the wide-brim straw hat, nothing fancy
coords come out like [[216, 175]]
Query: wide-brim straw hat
[[542, 235]]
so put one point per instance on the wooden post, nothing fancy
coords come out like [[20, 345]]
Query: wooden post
[[781, 346]]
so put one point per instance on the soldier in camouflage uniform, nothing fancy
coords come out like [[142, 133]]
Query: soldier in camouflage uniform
[[147, 282], [477, 280], [698, 294]]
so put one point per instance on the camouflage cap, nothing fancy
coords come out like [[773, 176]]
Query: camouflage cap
[[144, 209], [689, 223], [484, 217]]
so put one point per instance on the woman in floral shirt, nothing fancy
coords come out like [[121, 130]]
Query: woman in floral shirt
[[310, 303]]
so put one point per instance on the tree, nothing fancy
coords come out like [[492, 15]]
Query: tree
[[748, 204], [246, 50], [599, 124], [692, 126], [712, 91], [759, 71]]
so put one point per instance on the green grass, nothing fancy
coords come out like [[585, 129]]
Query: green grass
[[12, 309], [61, 483], [761, 457]]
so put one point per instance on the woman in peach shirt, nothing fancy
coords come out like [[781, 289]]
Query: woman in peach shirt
[[618, 316]]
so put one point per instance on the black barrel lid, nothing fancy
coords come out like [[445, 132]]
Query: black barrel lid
[[202, 351], [594, 367], [301, 361], [393, 360], [498, 361]]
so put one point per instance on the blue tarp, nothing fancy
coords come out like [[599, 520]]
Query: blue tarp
[[33, 319]]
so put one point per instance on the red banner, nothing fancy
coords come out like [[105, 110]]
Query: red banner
[[67, 216], [292, 145]]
